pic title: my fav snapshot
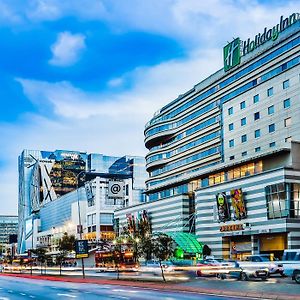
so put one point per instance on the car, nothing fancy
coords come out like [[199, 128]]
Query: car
[[293, 270], [264, 260], [154, 266], [245, 272], [211, 267], [296, 275]]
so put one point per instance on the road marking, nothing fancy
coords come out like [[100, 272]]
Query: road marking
[[67, 295], [4, 298], [127, 291], [22, 294], [10, 291]]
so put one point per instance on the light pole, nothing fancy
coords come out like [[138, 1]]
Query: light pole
[[79, 216]]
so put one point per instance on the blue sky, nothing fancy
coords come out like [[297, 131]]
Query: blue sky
[[88, 74]]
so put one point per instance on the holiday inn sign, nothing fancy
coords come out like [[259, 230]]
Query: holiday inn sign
[[233, 51]]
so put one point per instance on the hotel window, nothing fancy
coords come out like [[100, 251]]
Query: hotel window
[[231, 143], [286, 103], [271, 110], [243, 121], [257, 149], [244, 153], [255, 98], [230, 127], [273, 144], [288, 139], [243, 105], [287, 122], [231, 157], [286, 84], [256, 116], [244, 138], [276, 196], [230, 110], [257, 133], [271, 128], [270, 92]]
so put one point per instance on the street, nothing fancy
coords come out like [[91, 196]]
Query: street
[[21, 288]]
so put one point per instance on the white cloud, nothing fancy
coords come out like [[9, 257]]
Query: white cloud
[[67, 49]]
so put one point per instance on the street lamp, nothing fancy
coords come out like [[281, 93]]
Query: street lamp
[[79, 214]]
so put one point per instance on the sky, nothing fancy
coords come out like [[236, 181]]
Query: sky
[[88, 75]]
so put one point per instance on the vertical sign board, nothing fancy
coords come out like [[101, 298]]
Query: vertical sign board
[[231, 54], [223, 209], [81, 249], [238, 204]]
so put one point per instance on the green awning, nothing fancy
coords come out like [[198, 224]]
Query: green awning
[[186, 241]]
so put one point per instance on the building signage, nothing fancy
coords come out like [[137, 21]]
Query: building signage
[[223, 210], [116, 189], [232, 227], [232, 54], [238, 204], [235, 49], [81, 249]]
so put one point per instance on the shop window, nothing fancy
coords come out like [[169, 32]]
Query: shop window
[[276, 196], [295, 201]]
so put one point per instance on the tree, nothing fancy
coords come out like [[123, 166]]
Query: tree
[[163, 249], [66, 244], [206, 251], [41, 255]]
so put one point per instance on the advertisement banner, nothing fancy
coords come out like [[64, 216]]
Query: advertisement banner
[[116, 189], [238, 204], [222, 205], [81, 249]]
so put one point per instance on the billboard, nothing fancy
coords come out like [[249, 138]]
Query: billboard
[[238, 204], [222, 205]]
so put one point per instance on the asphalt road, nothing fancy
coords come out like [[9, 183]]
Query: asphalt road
[[21, 288]]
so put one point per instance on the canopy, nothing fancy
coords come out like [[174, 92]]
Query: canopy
[[186, 241]]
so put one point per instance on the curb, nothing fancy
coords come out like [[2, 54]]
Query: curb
[[171, 287]]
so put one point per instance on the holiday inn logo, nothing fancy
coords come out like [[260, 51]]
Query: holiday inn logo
[[232, 54], [233, 51]]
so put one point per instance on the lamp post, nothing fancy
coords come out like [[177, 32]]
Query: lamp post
[[79, 216]]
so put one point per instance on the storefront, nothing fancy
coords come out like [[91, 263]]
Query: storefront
[[273, 244]]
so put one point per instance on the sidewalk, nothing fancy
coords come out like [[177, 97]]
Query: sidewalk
[[169, 286]]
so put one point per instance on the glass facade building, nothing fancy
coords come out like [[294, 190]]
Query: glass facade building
[[45, 177]]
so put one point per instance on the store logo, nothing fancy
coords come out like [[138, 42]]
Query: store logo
[[231, 54]]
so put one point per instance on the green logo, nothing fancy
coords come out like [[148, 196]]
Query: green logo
[[231, 54]]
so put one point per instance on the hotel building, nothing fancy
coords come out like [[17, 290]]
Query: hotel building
[[224, 157]]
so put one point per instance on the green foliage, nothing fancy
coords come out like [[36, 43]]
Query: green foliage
[[66, 243], [163, 246]]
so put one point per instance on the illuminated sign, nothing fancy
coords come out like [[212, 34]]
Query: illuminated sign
[[231, 54], [233, 227], [81, 248], [223, 210], [233, 51], [238, 204]]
